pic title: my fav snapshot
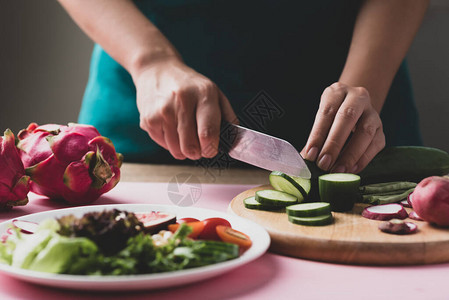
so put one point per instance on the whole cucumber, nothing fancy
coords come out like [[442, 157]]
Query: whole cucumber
[[406, 163]]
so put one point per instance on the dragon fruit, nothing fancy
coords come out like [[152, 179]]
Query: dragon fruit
[[14, 184], [73, 162]]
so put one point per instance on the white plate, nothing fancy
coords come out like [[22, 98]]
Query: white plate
[[258, 235]]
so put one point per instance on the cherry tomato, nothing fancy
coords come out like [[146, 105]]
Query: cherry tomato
[[229, 235], [209, 232], [196, 226], [186, 220]]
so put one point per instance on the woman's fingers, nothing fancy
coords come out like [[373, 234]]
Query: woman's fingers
[[367, 138], [331, 100], [377, 144], [344, 109], [227, 113], [346, 118], [186, 124], [169, 127], [208, 118]]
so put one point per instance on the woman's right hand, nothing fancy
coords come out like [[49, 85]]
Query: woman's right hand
[[181, 109]]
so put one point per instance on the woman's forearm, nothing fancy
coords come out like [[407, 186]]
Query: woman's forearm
[[383, 32], [122, 30]]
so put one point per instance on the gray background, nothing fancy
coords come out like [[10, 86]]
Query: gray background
[[44, 64]]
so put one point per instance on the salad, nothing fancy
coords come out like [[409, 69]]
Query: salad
[[117, 242]]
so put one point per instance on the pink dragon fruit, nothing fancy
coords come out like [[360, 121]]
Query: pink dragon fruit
[[14, 184], [71, 162]]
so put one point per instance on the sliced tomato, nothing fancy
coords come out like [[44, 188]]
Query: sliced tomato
[[229, 235], [186, 220], [209, 232], [196, 226]]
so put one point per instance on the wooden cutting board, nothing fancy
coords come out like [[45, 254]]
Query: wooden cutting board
[[351, 239]]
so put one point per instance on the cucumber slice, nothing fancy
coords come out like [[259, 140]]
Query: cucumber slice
[[275, 198], [296, 186], [313, 209], [251, 203], [341, 190], [312, 221]]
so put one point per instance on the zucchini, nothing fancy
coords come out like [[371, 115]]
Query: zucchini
[[341, 190], [313, 209], [275, 198], [400, 163], [312, 221], [251, 203], [406, 163], [296, 186]]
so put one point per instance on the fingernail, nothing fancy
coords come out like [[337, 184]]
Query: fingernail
[[324, 162], [339, 169], [312, 154], [354, 169]]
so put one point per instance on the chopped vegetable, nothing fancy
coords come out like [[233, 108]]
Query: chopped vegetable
[[275, 198], [413, 215], [25, 226], [155, 221], [209, 232], [385, 212], [431, 200], [312, 221], [252, 203], [396, 226], [405, 203], [186, 220], [229, 235], [410, 199], [341, 190], [197, 228], [296, 186], [313, 209]]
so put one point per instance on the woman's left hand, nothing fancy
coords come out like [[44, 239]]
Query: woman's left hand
[[344, 110]]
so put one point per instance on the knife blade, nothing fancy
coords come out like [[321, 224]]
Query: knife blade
[[262, 150]]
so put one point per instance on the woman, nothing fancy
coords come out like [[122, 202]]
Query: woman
[[191, 63]]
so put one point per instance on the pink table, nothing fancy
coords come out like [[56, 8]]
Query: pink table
[[270, 277]]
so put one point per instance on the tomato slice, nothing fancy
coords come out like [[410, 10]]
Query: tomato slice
[[186, 220], [229, 235], [196, 226], [209, 232]]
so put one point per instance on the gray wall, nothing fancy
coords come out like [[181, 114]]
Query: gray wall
[[44, 61]]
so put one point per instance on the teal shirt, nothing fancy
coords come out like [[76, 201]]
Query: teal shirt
[[281, 54]]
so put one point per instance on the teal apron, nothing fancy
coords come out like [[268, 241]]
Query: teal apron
[[272, 59]]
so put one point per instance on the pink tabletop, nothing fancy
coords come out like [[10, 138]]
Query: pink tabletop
[[269, 277]]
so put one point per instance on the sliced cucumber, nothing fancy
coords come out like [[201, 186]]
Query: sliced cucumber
[[313, 209], [275, 198], [296, 186], [312, 221], [251, 203], [341, 190]]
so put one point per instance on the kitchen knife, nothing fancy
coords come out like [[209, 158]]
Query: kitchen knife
[[262, 150]]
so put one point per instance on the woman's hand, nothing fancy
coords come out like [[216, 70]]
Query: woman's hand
[[344, 110], [181, 109]]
